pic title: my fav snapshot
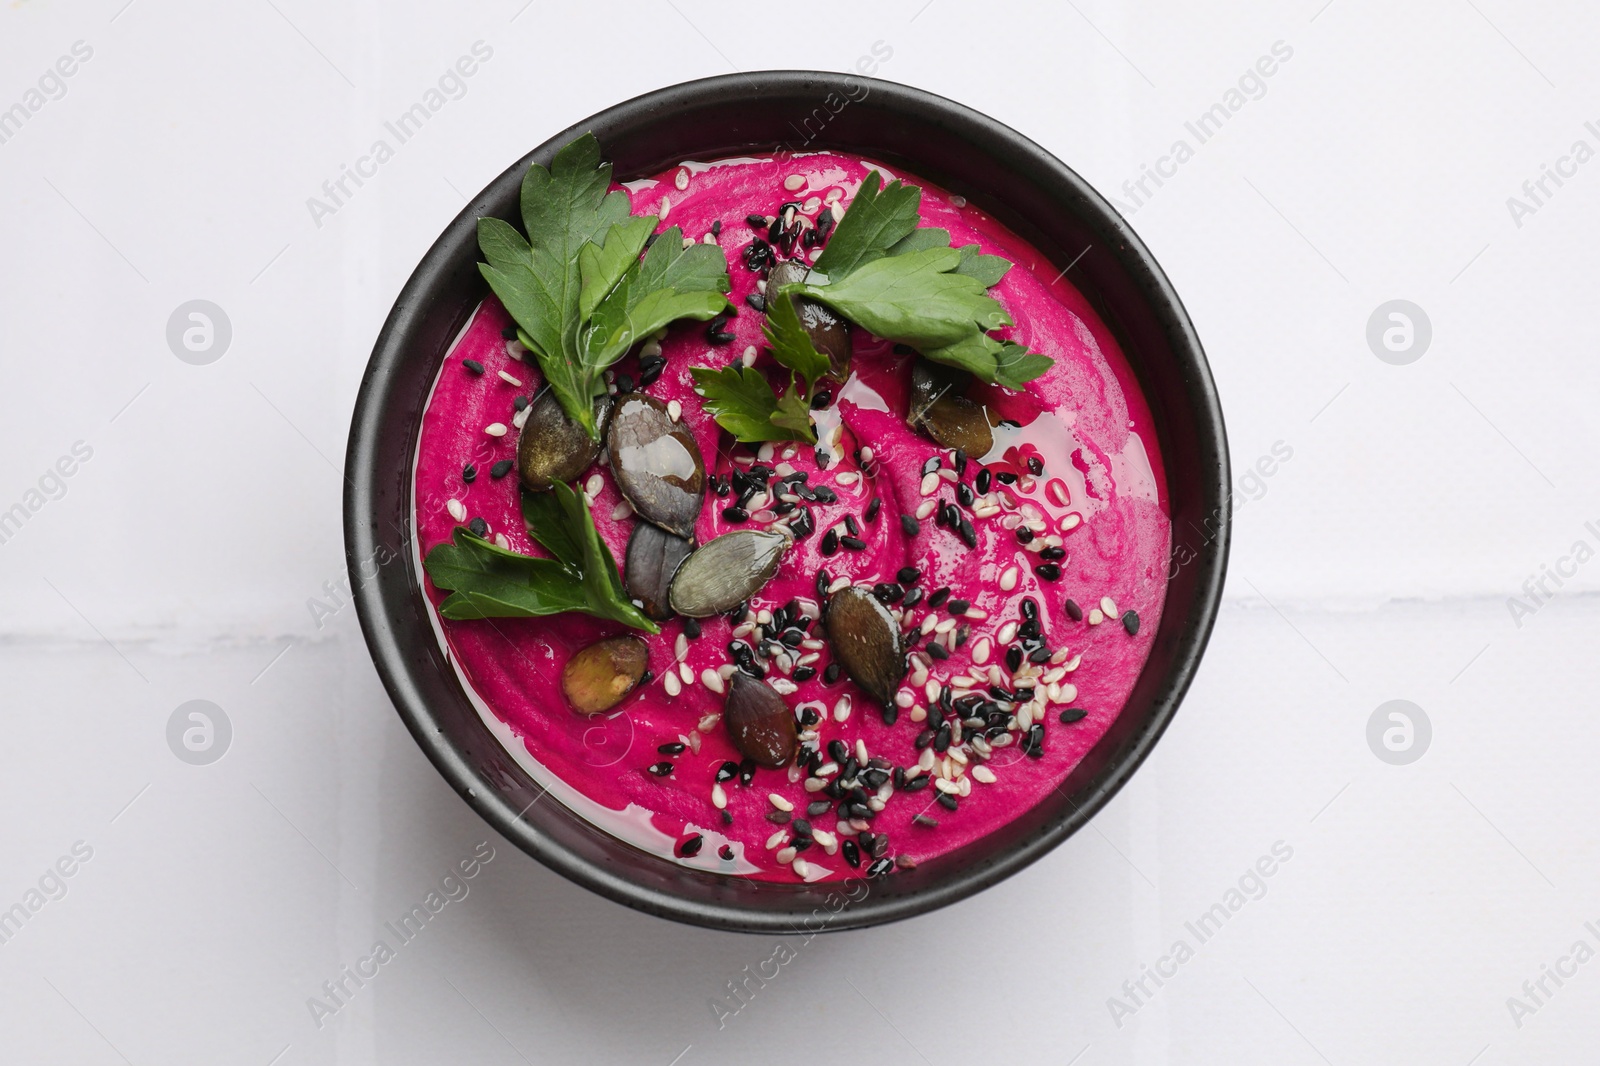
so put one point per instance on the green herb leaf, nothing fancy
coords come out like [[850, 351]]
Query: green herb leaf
[[486, 581], [916, 299], [576, 286], [988, 269], [1005, 363], [878, 216], [744, 404], [791, 344]]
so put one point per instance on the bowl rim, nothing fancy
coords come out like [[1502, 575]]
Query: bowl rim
[[397, 667]]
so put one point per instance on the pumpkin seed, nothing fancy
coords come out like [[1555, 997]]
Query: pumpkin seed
[[727, 570], [940, 407], [829, 334], [760, 724], [553, 447], [657, 464], [600, 676], [866, 641], [654, 555]]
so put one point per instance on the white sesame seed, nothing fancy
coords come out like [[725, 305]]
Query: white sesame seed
[[812, 204], [980, 650], [848, 478], [904, 698], [458, 512], [779, 802], [764, 516], [928, 622], [495, 429], [926, 508], [930, 483], [1109, 606], [793, 182], [776, 838], [1025, 716], [688, 242], [719, 798], [515, 350], [825, 838], [841, 709], [1008, 633], [1070, 522], [666, 205], [508, 379], [785, 856], [976, 614], [1008, 580], [670, 684], [802, 869], [933, 688], [919, 670], [945, 626], [680, 649], [500, 541], [710, 238], [622, 510], [1096, 616], [681, 178], [520, 419], [839, 583], [837, 210], [594, 485], [784, 687]]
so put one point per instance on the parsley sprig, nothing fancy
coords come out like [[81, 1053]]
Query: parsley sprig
[[577, 287], [894, 278], [487, 581]]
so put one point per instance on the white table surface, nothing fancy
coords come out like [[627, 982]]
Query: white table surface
[[1376, 564]]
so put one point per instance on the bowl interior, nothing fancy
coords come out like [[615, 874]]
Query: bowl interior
[[996, 168]]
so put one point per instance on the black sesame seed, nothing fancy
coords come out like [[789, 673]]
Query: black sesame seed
[[520, 403], [662, 768], [779, 817], [1073, 714], [674, 748], [1048, 571], [1006, 477], [469, 473], [830, 542], [1030, 609], [825, 495], [691, 628], [1013, 658], [716, 228], [1053, 554], [960, 461], [891, 714], [649, 374], [501, 469], [1130, 622], [817, 807], [1035, 465], [938, 596], [624, 384], [736, 514], [824, 579], [913, 597], [1039, 656], [691, 847], [959, 606], [941, 739], [803, 525], [1024, 535], [924, 820], [964, 495], [822, 399], [908, 575], [880, 867], [968, 534], [887, 592], [757, 301], [804, 673], [721, 337], [473, 365], [726, 851], [924, 738], [479, 526], [855, 544], [984, 479], [931, 465], [871, 513], [727, 771], [852, 525], [747, 771], [947, 801], [756, 221], [910, 525], [509, 333], [938, 650], [830, 674], [851, 853]]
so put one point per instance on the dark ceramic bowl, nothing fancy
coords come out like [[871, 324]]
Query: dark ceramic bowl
[[995, 167]]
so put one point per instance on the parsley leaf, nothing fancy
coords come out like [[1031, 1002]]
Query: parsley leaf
[[744, 404], [878, 217], [906, 284], [579, 292], [486, 581]]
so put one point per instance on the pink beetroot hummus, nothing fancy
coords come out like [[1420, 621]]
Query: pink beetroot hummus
[[1074, 467]]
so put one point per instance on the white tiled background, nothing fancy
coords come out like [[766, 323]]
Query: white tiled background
[[1375, 564]]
